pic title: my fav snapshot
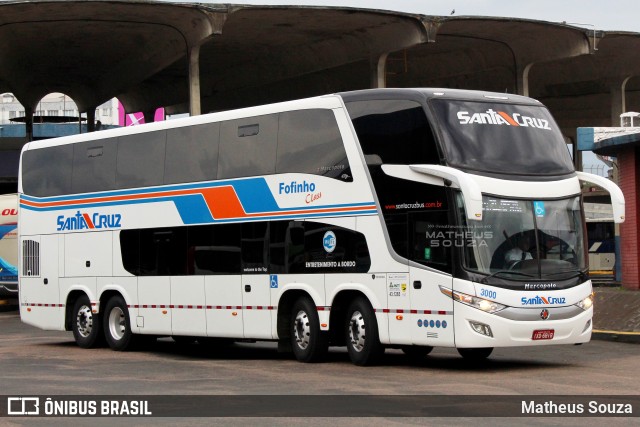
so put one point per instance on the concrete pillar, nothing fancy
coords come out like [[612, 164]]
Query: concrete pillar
[[379, 71], [28, 122], [522, 79], [91, 119], [194, 81], [618, 100], [629, 165]]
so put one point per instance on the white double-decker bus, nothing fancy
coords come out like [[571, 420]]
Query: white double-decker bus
[[403, 218]]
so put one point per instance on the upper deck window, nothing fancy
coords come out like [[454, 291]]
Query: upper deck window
[[396, 130], [501, 138]]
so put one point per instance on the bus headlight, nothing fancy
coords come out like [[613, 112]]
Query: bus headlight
[[479, 303], [586, 303]]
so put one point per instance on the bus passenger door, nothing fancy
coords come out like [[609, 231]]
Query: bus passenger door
[[256, 295], [431, 310], [430, 246], [256, 299]]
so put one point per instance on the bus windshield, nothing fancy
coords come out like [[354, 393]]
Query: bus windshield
[[525, 239], [501, 138]]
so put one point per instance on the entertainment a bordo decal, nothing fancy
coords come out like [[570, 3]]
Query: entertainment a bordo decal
[[491, 117], [83, 220]]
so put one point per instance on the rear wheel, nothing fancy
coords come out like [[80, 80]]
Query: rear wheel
[[117, 326], [363, 342], [86, 326], [475, 353], [308, 342]]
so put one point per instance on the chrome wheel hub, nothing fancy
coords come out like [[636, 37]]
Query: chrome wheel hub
[[301, 330], [357, 331], [117, 323], [84, 321]]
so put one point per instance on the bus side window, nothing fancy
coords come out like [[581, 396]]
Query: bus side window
[[255, 248], [243, 153], [396, 130], [192, 153], [94, 166], [163, 251], [47, 171], [139, 160], [286, 247], [309, 141]]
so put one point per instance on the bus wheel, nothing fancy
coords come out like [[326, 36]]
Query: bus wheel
[[308, 342], [417, 352], [363, 342], [86, 327], [475, 353], [117, 329]]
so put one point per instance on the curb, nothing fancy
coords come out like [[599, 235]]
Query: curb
[[616, 336]]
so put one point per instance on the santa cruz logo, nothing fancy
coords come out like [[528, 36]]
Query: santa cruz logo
[[81, 221], [491, 117], [538, 300]]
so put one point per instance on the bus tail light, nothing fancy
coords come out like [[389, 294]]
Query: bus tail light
[[485, 305]]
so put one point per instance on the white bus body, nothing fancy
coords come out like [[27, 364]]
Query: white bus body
[[359, 218]]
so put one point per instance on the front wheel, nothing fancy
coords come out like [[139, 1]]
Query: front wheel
[[117, 326], [475, 353], [86, 327], [308, 342], [363, 342]]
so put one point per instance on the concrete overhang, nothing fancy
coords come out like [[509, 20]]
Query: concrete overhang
[[93, 50], [264, 53], [486, 53], [592, 90]]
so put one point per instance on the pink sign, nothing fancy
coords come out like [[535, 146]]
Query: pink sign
[[134, 119]]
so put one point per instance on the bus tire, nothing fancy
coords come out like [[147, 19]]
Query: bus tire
[[363, 341], [417, 352], [308, 342], [475, 353], [86, 326], [117, 325]]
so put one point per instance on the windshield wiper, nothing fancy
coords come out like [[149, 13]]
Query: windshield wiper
[[517, 273], [575, 271]]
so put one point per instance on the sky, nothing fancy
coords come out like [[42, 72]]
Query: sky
[[611, 15]]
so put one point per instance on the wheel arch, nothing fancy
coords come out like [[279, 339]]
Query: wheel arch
[[285, 305], [337, 318], [72, 296]]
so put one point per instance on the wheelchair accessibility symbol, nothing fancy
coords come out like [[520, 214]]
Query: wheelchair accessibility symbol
[[538, 208], [273, 279]]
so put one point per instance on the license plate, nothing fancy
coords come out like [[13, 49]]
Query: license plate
[[543, 334]]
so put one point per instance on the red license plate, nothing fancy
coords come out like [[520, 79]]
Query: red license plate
[[543, 334]]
